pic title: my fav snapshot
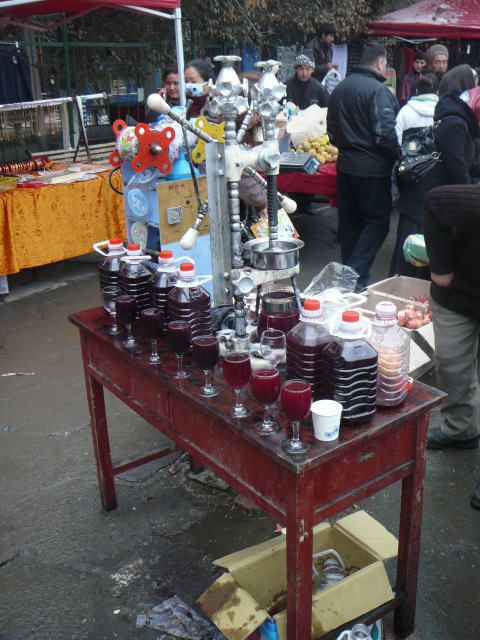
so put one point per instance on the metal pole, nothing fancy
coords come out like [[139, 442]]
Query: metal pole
[[180, 58], [68, 81]]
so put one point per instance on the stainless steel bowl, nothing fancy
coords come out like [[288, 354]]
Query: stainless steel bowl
[[284, 256]]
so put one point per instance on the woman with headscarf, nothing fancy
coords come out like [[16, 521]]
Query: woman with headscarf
[[455, 134]]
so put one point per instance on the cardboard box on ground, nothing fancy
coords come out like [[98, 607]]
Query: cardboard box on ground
[[398, 290], [254, 587]]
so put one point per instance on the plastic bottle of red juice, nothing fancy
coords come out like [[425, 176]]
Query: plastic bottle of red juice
[[134, 275], [189, 301], [109, 267], [306, 343], [351, 370], [162, 282]]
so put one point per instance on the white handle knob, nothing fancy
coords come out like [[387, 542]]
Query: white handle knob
[[288, 204], [157, 103], [188, 240]]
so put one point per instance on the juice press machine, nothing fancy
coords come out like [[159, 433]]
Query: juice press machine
[[237, 268]]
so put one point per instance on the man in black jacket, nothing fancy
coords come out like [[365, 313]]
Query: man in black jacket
[[452, 236], [302, 89], [361, 123]]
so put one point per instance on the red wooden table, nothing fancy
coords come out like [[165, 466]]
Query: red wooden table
[[298, 493]]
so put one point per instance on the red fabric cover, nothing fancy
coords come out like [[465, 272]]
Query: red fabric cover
[[46, 7], [324, 182], [429, 18], [409, 54], [474, 102]]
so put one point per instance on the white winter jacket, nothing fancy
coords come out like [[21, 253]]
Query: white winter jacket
[[418, 112]]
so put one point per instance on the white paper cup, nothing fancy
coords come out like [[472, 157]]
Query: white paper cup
[[326, 416]]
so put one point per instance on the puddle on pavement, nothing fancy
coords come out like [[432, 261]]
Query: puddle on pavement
[[227, 529]]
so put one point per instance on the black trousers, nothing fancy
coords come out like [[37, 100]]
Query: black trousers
[[364, 208]]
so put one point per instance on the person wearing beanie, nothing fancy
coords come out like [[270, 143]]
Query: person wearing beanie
[[437, 59], [321, 45], [452, 235], [408, 88], [302, 89]]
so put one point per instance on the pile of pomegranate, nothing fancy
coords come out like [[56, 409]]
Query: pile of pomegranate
[[413, 318]]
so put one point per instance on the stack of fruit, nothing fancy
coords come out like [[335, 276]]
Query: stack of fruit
[[320, 148], [413, 318]]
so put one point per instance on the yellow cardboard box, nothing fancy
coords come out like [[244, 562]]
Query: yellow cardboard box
[[254, 587]]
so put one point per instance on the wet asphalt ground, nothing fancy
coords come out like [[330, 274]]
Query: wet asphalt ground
[[70, 571]]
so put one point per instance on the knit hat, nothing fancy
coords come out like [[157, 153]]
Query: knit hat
[[436, 50], [305, 59]]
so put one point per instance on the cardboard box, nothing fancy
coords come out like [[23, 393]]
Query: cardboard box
[[254, 587], [398, 290]]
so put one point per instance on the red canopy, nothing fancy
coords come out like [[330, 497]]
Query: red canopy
[[431, 19], [45, 7]]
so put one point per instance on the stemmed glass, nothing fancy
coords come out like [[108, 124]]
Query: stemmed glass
[[236, 371], [109, 295], [151, 321], [126, 307], [273, 346], [296, 399], [179, 340], [206, 351], [265, 384]]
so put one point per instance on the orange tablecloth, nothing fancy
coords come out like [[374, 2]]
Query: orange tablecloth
[[39, 226]]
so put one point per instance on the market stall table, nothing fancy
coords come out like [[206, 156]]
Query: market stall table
[[323, 182], [56, 222], [298, 493]]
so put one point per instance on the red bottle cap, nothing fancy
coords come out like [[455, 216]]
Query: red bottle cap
[[187, 266], [134, 247], [350, 316], [311, 305], [166, 254], [114, 241]]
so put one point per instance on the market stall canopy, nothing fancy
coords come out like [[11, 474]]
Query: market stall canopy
[[430, 18], [24, 8]]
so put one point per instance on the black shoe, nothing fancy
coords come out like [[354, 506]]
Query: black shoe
[[438, 440], [311, 209], [475, 499]]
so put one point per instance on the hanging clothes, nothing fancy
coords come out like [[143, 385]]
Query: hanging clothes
[[15, 83]]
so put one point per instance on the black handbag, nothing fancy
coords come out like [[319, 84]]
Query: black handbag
[[418, 155]]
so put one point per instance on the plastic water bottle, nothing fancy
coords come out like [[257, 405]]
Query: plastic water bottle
[[351, 370], [162, 282], [109, 267], [392, 343], [134, 275], [189, 301], [306, 343]]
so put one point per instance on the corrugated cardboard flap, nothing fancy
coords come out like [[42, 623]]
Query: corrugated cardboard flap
[[367, 532], [231, 608], [252, 555]]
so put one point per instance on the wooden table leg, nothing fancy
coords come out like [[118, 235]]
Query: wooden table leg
[[101, 443], [409, 534], [299, 518]]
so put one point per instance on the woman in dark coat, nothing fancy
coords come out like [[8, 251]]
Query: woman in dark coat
[[455, 140]]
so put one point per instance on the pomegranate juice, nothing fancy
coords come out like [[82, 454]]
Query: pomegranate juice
[[126, 307], [237, 369], [296, 399], [179, 337], [206, 351], [265, 385], [151, 321]]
